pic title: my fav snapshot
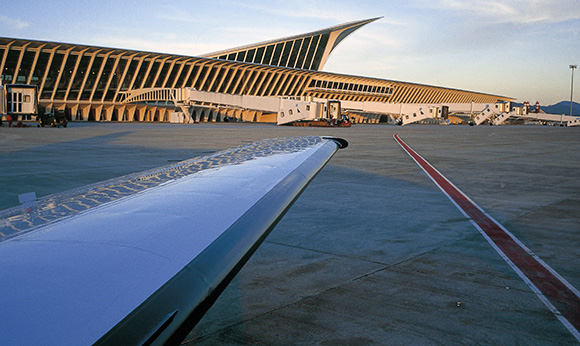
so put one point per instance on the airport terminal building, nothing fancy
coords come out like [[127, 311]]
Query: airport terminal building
[[89, 82]]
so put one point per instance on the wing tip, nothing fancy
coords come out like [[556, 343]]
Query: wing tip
[[342, 143]]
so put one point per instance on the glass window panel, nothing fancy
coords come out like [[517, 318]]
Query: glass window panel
[[182, 75], [191, 80], [303, 51], [141, 74], [277, 54], [173, 74], [286, 54], [320, 52], [52, 75], [65, 76], [163, 74], [80, 74], [255, 80], [241, 56], [233, 83], [26, 65], [311, 51], [250, 55], [243, 76], [104, 79], [201, 78], [209, 78], [40, 68], [268, 54], [10, 66], [129, 76], [116, 80], [152, 75], [218, 79], [219, 86], [93, 73], [264, 83], [292, 62], [259, 55]]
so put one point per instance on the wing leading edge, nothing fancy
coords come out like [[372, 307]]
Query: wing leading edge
[[140, 259]]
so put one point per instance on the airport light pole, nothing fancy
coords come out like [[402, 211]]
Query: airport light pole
[[572, 67]]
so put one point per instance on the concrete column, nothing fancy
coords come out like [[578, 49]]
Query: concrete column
[[238, 114], [162, 115], [73, 112], [130, 115], [109, 113], [121, 113], [222, 115], [247, 115], [98, 112], [150, 114], [141, 113], [85, 111]]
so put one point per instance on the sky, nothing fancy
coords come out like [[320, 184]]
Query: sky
[[516, 48]]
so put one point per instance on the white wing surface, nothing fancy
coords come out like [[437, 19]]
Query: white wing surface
[[139, 259]]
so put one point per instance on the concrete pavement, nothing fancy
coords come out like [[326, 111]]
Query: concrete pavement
[[372, 253]]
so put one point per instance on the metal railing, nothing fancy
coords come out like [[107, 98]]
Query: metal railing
[[152, 94]]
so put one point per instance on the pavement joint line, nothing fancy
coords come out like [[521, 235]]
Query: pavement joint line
[[310, 296], [542, 207], [327, 253], [549, 286]]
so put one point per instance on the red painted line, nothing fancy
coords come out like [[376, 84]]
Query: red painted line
[[554, 291]]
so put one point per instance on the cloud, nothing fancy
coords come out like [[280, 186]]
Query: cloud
[[176, 13], [509, 11], [14, 22], [305, 9]]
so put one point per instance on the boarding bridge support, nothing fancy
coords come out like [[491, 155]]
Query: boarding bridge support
[[288, 109], [483, 115], [293, 109], [174, 95], [556, 119], [573, 122], [500, 112], [408, 113], [496, 113]]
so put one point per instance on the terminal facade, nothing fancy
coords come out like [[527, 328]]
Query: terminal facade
[[89, 82]]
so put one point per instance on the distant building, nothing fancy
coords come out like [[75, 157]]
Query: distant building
[[88, 81]]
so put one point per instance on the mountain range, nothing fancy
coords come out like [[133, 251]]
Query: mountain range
[[562, 107]]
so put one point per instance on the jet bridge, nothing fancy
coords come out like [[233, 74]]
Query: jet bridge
[[555, 119], [498, 113], [296, 109], [288, 109]]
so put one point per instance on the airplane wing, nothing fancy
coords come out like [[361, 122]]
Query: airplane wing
[[139, 259]]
